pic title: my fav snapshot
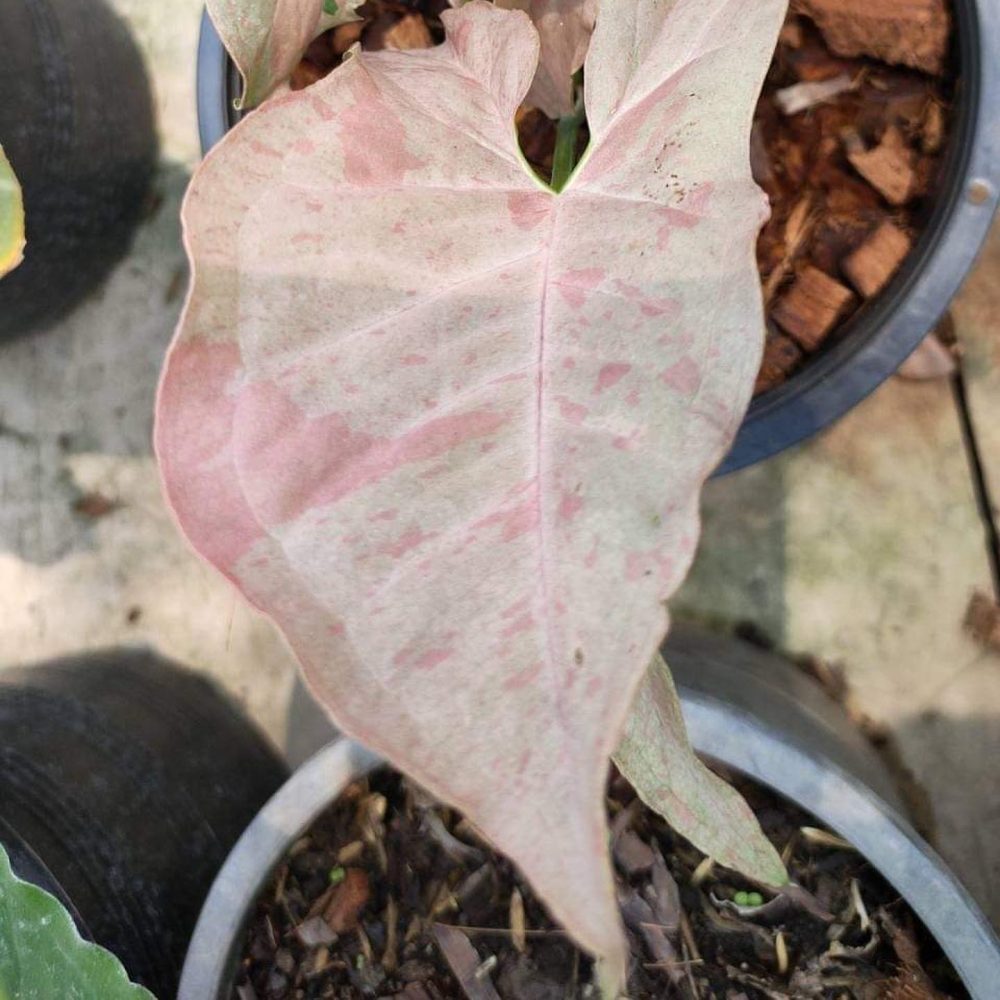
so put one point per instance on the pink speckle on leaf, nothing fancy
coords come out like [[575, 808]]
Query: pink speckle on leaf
[[528, 209], [610, 375], [425, 657], [292, 462], [382, 160], [411, 539], [522, 624], [195, 445], [522, 678], [574, 285], [573, 413], [569, 506], [684, 376]]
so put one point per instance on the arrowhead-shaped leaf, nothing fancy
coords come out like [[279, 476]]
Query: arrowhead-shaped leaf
[[564, 30], [656, 757], [43, 957], [11, 218], [266, 38], [448, 428]]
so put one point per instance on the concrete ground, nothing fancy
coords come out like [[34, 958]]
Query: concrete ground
[[861, 547]]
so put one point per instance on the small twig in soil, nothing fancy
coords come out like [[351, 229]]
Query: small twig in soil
[[505, 931]]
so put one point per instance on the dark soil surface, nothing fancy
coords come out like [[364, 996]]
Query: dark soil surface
[[852, 176], [393, 895]]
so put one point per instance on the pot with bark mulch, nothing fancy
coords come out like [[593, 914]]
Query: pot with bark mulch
[[351, 882], [875, 139]]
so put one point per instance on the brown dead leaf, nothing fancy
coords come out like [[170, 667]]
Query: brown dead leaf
[[348, 900], [632, 854]]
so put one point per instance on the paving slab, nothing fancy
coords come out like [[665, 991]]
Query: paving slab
[[863, 547]]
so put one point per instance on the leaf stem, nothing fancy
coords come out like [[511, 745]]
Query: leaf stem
[[564, 158]]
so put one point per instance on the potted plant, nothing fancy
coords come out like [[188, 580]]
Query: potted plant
[[41, 953], [747, 710], [124, 782], [80, 133], [447, 424], [944, 224]]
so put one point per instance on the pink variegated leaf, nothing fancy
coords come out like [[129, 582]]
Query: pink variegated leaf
[[448, 428], [564, 30], [266, 38], [656, 757]]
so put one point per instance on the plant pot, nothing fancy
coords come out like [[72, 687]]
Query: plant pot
[[124, 782], [76, 122], [748, 710], [875, 342]]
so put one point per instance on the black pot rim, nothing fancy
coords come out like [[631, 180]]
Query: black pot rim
[[722, 731], [882, 335]]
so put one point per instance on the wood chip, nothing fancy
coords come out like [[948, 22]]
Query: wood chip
[[911, 33], [781, 357], [811, 307], [982, 620], [871, 266], [409, 32], [348, 900], [934, 128], [344, 36], [803, 96], [464, 962], [889, 167]]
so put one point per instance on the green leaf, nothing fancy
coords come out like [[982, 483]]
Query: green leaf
[[655, 756], [331, 7], [11, 222], [42, 957]]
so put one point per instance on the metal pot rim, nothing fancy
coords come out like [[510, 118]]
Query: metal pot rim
[[722, 732]]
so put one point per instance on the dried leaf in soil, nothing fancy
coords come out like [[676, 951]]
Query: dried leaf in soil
[[656, 757]]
